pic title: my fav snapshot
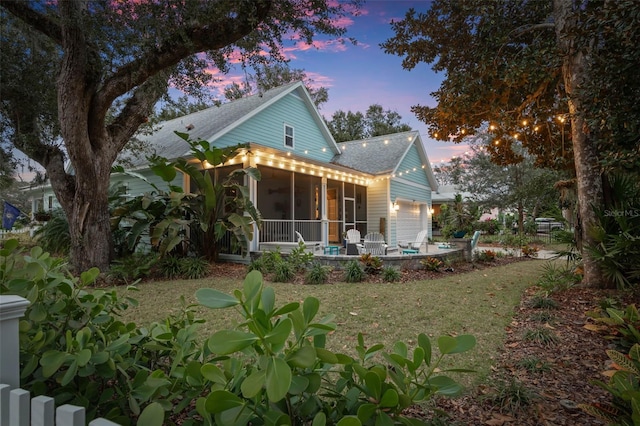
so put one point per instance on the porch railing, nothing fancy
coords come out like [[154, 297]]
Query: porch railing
[[275, 230], [16, 405]]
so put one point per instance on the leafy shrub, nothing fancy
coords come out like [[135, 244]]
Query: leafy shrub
[[300, 258], [317, 274], [54, 235], [353, 272], [557, 278], [257, 264], [277, 368], [283, 272], [624, 325], [270, 259], [513, 241], [131, 268], [74, 347], [194, 267], [390, 274], [485, 256], [432, 264], [624, 387], [616, 234], [170, 267], [488, 226], [372, 265], [529, 251], [541, 335]]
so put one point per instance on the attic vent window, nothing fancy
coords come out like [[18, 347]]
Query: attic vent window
[[190, 127], [288, 136]]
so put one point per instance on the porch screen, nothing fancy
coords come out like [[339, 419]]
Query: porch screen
[[289, 202]]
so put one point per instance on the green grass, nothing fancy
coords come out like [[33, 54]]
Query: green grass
[[480, 303]]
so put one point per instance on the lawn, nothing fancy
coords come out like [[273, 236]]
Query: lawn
[[480, 303]]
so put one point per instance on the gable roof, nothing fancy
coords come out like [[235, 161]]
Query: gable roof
[[211, 123], [382, 155]]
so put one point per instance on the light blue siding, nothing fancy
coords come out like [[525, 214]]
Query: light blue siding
[[267, 129], [411, 167], [408, 191], [136, 186]]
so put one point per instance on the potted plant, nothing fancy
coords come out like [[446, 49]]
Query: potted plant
[[42, 216]]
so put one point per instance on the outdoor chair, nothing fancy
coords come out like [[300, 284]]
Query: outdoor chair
[[474, 240], [316, 246], [374, 244], [421, 239], [353, 242]]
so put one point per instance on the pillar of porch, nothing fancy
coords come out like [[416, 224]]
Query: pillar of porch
[[325, 220]]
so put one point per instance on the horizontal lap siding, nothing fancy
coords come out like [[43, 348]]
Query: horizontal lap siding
[[411, 168], [267, 129], [136, 186], [378, 207]]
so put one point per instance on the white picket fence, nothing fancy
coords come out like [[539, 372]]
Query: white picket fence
[[17, 408]]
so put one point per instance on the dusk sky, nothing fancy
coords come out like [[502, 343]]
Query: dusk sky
[[361, 75]]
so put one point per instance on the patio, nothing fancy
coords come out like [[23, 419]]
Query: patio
[[395, 258]]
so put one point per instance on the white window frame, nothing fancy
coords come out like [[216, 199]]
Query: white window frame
[[287, 136]]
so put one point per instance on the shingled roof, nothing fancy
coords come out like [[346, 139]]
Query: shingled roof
[[380, 156], [205, 124]]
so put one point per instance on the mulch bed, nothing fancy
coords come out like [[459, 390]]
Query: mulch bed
[[577, 358]]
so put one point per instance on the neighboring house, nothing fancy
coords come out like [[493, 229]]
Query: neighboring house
[[309, 184]]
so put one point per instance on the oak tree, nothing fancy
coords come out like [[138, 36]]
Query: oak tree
[[521, 68], [108, 64]]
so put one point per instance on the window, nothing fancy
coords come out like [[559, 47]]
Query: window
[[288, 136]]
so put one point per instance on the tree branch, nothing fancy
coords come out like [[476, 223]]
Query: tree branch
[[35, 20], [178, 46]]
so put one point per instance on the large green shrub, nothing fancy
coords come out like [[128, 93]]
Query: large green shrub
[[74, 347], [275, 368]]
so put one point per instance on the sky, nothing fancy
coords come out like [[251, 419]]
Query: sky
[[360, 75]]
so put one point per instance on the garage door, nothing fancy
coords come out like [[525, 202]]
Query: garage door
[[409, 221]]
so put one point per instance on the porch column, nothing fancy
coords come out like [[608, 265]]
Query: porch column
[[254, 244], [323, 213]]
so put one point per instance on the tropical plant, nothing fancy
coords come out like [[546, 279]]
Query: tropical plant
[[317, 274], [283, 272], [353, 272], [131, 268], [371, 264], [219, 206], [194, 267], [616, 234], [623, 325], [391, 274], [54, 236], [175, 220], [556, 278], [529, 251], [275, 368], [432, 264], [485, 256], [458, 216], [624, 387]]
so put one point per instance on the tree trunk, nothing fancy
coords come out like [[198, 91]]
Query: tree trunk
[[588, 176]]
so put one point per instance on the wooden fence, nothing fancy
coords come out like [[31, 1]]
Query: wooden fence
[[17, 408]]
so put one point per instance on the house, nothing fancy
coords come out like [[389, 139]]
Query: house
[[310, 183]]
